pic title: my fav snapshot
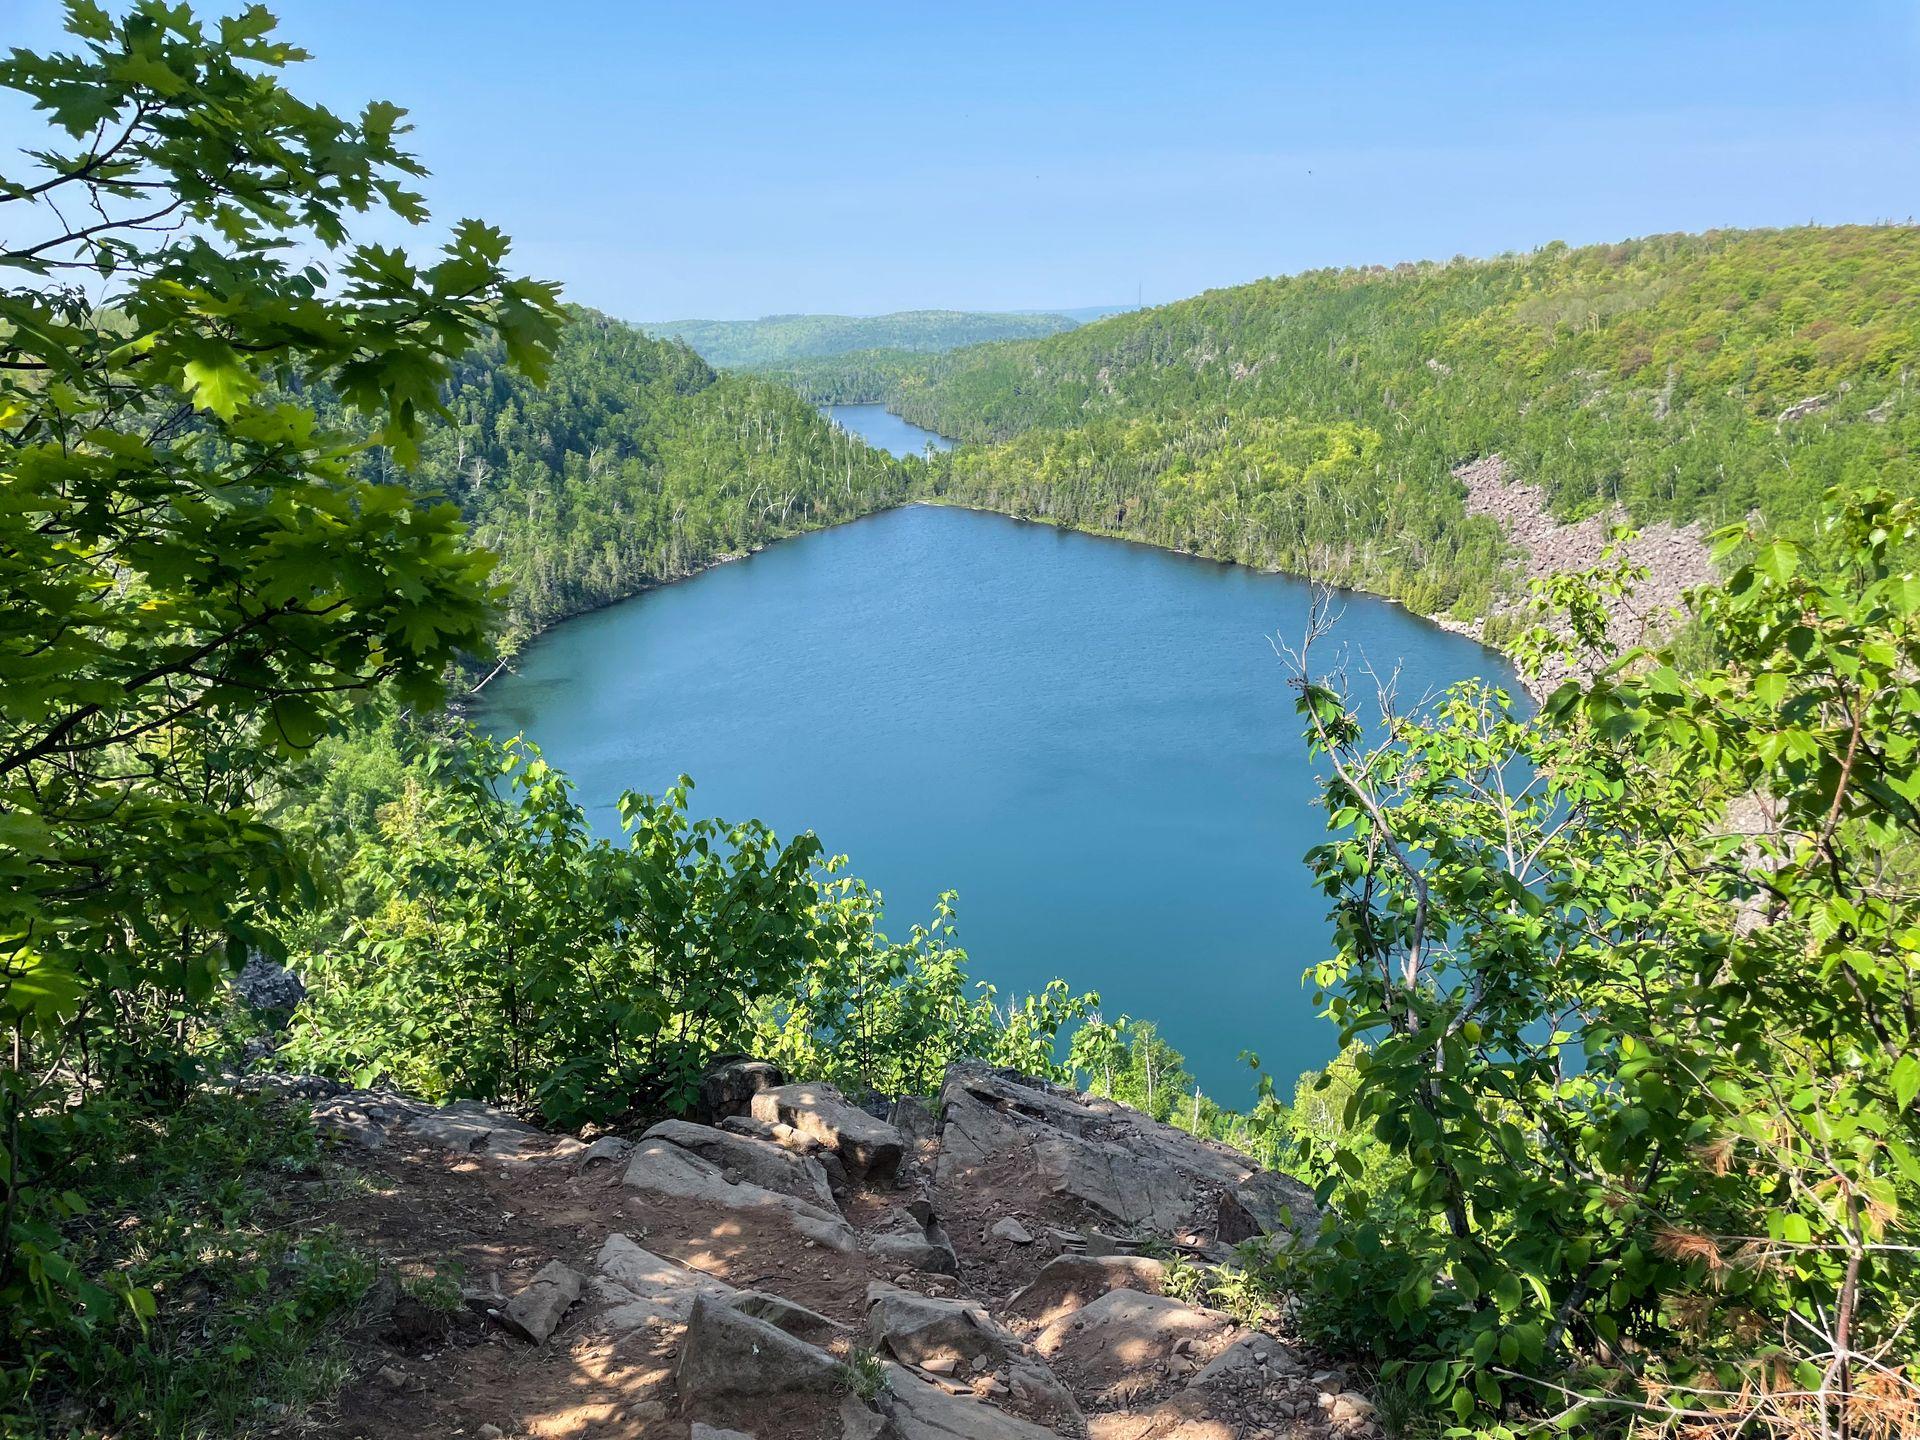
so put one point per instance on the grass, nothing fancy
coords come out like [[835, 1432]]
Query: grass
[[865, 1375], [248, 1318]]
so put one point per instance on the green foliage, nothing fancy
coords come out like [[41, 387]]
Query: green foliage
[[1637, 980], [884, 1017], [1311, 422], [200, 580], [775, 340], [506, 953], [632, 464], [226, 1322]]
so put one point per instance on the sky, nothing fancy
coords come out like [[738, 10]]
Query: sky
[[728, 160]]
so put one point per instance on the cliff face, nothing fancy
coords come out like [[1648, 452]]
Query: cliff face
[[799, 1267]]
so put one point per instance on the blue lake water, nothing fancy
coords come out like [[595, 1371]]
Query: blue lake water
[[1091, 741], [884, 430]]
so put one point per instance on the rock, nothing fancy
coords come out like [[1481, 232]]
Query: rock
[[1143, 1175], [391, 1375], [917, 1241], [795, 1319], [1123, 1333], [728, 1352], [928, 1332], [1068, 1282], [728, 1085], [1011, 1230], [660, 1167], [913, 1409], [269, 987], [714, 1432], [607, 1150], [761, 1161], [1350, 1407], [1267, 1203], [1100, 1245], [467, 1126], [639, 1288], [344, 1123], [536, 1312], [490, 1432], [1039, 1395], [1801, 409], [914, 1119], [1256, 1357], [787, 1138], [871, 1149]]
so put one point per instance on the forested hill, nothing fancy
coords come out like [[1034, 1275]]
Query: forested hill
[[777, 339], [636, 463], [1312, 422]]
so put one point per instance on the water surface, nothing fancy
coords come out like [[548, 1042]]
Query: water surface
[[1091, 741], [884, 430]]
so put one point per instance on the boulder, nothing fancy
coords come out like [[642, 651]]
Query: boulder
[[713, 1432], [727, 1352], [607, 1150], [467, 1126], [660, 1167], [728, 1085], [925, 1330], [870, 1148], [639, 1288], [787, 1138], [916, 1241], [1068, 1282], [1125, 1332], [914, 1410], [536, 1312], [795, 1319], [1147, 1177], [759, 1161], [1267, 1203], [1037, 1393]]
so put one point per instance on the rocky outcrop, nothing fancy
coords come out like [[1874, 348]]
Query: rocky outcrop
[[662, 1168], [760, 1162], [1146, 1178], [1005, 1300], [870, 1149]]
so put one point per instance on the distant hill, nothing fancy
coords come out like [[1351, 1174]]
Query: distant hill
[[1316, 422], [778, 339]]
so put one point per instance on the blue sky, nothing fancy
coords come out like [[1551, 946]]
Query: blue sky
[[730, 160]]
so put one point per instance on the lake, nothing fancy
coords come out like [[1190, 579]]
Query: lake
[[1091, 741], [884, 430]]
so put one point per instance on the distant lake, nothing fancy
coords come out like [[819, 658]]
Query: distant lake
[[1091, 741], [884, 430]]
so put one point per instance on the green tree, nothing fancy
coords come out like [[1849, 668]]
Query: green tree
[[1637, 983], [200, 581]]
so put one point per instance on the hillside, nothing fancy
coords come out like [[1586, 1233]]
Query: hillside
[[1314, 422], [777, 339], [635, 463]]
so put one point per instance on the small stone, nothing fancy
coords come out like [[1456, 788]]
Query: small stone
[[1012, 1231], [647, 1410], [391, 1375], [491, 1432]]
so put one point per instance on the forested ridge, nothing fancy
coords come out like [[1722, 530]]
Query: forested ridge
[[634, 463], [779, 339], [1311, 422]]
